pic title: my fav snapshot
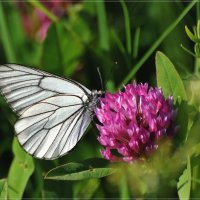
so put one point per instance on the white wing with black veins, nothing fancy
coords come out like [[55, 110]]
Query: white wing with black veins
[[53, 115]]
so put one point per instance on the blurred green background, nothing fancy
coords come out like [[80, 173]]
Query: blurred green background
[[119, 37]]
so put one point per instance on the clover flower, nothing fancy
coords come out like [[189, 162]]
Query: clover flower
[[133, 122]]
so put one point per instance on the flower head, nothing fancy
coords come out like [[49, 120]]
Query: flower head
[[133, 122]]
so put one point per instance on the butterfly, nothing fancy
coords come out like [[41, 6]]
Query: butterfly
[[53, 112]]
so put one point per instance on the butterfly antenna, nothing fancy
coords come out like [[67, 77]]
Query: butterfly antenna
[[100, 78]]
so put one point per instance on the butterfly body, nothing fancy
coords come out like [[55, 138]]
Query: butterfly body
[[93, 100], [53, 112]]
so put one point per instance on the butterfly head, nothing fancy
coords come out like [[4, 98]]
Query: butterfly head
[[93, 100]]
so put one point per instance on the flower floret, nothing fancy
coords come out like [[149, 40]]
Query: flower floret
[[132, 122]]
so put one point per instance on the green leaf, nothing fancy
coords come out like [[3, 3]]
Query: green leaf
[[49, 195], [192, 85], [62, 49], [43, 9], [121, 47], [118, 42], [166, 32], [20, 171], [102, 24], [195, 166], [196, 180], [123, 188], [85, 188], [188, 51], [54, 62], [3, 189], [184, 184], [110, 86], [182, 119], [136, 42], [197, 49], [6, 39], [91, 168], [193, 135], [198, 29], [190, 34], [168, 78], [19, 41], [127, 26]]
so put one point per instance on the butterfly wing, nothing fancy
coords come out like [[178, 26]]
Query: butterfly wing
[[22, 87], [52, 111], [51, 128]]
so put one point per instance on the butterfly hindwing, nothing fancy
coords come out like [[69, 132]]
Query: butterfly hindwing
[[52, 127]]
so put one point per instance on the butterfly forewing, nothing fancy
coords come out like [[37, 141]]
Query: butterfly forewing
[[53, 112], [16, 80]]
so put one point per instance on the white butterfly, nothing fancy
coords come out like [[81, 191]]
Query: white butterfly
[[53, 112]]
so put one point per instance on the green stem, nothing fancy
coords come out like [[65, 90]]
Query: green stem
[[6, 38], [198, 10], [102, 23], [39, 6], [197, 60], [156, 44], [196, 180], [127, 26], [123, 187], [188, 51], [136, 43], [121, 47], [197, 66]]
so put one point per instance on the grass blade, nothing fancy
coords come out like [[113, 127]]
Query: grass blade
[[102, 24], [198, 10], [5, 37], [127, 26], [184, 184], [20, 171], [123, 188], [156, 44], [42, 8], [136, 42]]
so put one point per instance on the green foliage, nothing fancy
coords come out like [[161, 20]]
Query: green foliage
[[192, 85], [5, 36], [53, 62], [184, 184], [91, 168], [42, 8], [86, 188], [156, 44], [127, 26], [3, 189], [103, 27], [182, 118], [122, 42], [168, 78], [20, 171], [123, 188], [190, 34], [195, 162]]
